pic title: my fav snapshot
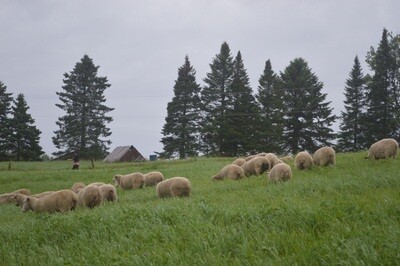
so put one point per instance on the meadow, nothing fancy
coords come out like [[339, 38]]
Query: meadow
[[348, 214]]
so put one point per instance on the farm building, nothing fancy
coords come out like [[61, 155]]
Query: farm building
[[124, 154]]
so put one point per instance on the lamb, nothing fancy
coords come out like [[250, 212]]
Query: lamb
[[239, 161], [59, 201], [76, 187], [108, 192], [273, 160], [153, 178], [325, 156], [231, 171], [256, 166], [129, 181], [280, 172], [383, 149], [10, 197], [174, 187], [90, 196], [303, 161]]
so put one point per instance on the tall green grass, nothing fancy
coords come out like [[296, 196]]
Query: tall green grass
[[347, 214]]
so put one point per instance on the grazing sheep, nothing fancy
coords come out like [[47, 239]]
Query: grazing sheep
[[256, 166], [273, 160], [231, 171], [108, 192], [383, 149], [248, 158], [174, 187], [324, 156], [90, 196], [10, 197], [19, 198], [97, 184], [286, 158], [76, 187], [129, 181], [280, 172], [153, 178], [239, 161], [262, 154], [59, 201], [303, 161]]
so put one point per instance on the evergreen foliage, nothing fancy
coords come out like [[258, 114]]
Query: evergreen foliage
[[271, 101], [83, 127], [25, 136], [308, 117], [181, 128], [352, 128], [5, 132]]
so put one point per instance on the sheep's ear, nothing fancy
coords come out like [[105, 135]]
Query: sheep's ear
[[13, 197]]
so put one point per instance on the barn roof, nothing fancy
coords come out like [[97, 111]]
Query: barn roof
[[124, 154]]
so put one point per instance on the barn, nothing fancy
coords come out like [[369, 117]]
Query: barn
[[124, 154]]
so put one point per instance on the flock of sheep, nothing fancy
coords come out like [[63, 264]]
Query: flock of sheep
[[94, 194]]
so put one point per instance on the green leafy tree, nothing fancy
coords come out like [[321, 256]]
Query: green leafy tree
[[25, 137], [5, 132], [243, 117], [217, 99], [352, 127], [308, 117], [270, 98], [383, 92], [83, 127], [181, 128]]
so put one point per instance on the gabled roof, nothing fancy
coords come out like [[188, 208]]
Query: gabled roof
[[124, 154]]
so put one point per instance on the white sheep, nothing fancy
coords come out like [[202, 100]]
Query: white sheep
[[231, 171], [174, 187], [324, 156], [273, 160], [108, 192], [90, 196], [59, 201], [11, 196], [280, 172], [383, 149], [153, 178], [303, 161], [239, 161], [76, 187], [256, 166], [129, 181], [19, 198]]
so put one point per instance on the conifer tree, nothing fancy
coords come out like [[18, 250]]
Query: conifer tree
[[25, 137], [352, 127], [5, 132], [308, 117], [243, 117], [181, 128], [217, 99], [83, 127], [271, 100]]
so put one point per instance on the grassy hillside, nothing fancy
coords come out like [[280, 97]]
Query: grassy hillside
[[346, 214]]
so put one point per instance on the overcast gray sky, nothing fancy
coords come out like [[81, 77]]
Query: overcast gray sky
[[139, 46]]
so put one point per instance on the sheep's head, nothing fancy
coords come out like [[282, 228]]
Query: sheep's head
[[117, 180], [26, 205]]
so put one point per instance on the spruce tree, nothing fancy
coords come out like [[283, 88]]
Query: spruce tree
[[352, 127], [5, 132], [217, 99], [308, 116], [271, 100], [25, 137], [382, 95], [243, 117], [83, 127], [181, 128]]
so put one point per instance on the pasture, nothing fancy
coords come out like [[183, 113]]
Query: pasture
[[346, 214]]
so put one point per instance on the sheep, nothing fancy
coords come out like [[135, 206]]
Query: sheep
[[129, 181], [303, 161], [273, 159], [286, 158], [76, 187], [256, 166], [324, 156], [10, 197], [239, 161], [174, 187], [231, 171], [108, 192], [383, 149], [152, 178], [248, 158], [90, 196], [19, 198], [97, 184], [58, 201], [280, 172]]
